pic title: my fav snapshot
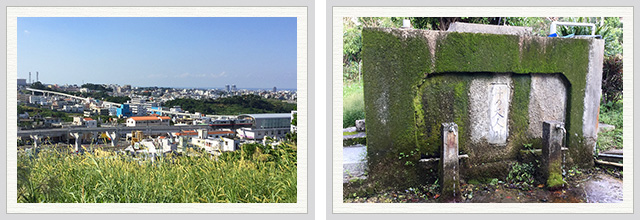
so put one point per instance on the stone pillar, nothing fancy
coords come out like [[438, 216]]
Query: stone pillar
[[449, 175], [35, 138], [552, 141], [77, 144]]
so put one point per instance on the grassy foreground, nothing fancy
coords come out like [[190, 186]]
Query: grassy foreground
[[255, 174]]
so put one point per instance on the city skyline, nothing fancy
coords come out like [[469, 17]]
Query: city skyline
[[162, 52]]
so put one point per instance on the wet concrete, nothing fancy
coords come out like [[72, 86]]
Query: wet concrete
[[598, 188], [603, 189], [597, 185]]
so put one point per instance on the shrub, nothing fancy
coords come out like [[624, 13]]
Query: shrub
[[612, 79]]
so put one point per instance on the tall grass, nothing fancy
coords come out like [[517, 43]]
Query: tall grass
[[244, 176], [353, 103]]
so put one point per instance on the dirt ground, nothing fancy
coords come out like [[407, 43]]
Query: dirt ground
[[596, 185]]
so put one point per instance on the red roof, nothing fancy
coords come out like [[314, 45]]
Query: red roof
[[193, 133], [150, 118], [88, 119]]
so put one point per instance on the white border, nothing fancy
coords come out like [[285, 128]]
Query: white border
[[339, 12], [299, 12]]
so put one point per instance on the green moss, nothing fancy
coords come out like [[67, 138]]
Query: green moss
[[346, 133], [555, 180], [394, 66], [444, 98], [519, 112], [419, 118], [465, 52]]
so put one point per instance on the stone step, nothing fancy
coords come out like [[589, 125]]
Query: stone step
[[602, 127], [353, 136], [354, 162], [614, 151], [611, 156]]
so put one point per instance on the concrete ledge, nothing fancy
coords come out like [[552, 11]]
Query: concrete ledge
[[605, 127], [489, 29]]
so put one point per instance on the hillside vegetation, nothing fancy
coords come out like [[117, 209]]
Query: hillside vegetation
[[235, 105]]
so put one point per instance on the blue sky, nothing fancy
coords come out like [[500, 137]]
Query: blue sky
[[164, 52]]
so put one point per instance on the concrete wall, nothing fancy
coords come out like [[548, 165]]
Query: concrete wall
[[415, 80], [548, 101]]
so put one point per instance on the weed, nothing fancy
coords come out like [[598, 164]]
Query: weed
[[521, 172]]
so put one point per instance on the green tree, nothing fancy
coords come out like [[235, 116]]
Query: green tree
[[352, 41], [294, 120], [610, 28], [38, 85]]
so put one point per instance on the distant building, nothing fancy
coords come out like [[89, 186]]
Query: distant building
[[77, 108], [274, 89], [138, 110], [156, 110], [88, 113], [233, 88], [177, 109], [90, 123], [123, 111], [22, 82], [275, 125], [138, 121], [113, 111], [87, 122], [37, 100], [227, 88], [204, 134], [211, 141]]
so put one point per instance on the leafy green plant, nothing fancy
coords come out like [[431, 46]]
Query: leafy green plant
[[410, 158], [521, 172]]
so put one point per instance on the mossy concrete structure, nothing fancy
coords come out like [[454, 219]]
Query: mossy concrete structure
[[415, 80]]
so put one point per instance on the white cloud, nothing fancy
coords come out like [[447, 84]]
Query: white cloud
[[157, 76], [201, 75], [27, 32], [222, 74], [184, 75]]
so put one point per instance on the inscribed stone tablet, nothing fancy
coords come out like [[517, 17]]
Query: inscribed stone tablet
[[498, 113]]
